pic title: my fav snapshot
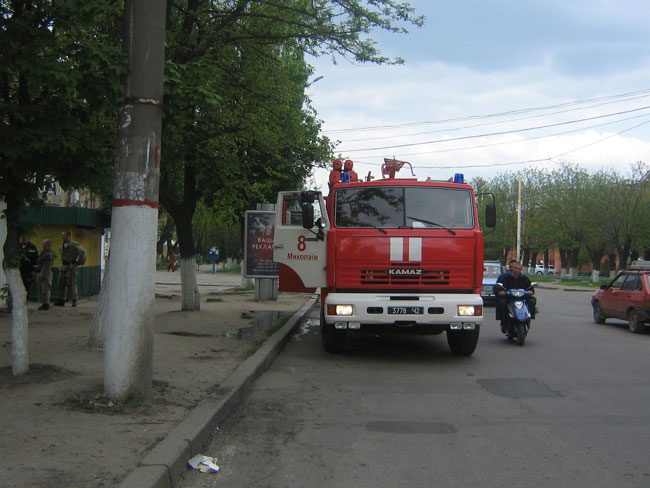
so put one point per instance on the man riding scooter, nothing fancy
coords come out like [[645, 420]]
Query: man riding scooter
[[513, 279]]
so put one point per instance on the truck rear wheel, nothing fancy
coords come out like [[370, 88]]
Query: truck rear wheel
[[462, 342], [333, 339]]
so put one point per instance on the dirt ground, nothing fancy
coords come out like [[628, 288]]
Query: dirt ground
[[56, 427]]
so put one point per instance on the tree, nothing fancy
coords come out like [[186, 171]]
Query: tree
[[59, 79], [625, 209], [567, 210], [128, 363], [237, 124]]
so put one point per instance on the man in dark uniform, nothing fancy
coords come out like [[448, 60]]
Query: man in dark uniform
[[72, 255], [28, 257], [513, 279]]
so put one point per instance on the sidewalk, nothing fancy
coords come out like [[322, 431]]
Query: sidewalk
[[57, 429]]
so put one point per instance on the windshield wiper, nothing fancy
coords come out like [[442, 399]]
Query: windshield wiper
[[364, 224], [432, 223]]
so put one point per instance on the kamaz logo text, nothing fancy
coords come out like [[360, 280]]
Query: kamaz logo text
[[401, 271]]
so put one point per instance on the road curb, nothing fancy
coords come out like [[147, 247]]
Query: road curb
[[565, 288], [164, 465]]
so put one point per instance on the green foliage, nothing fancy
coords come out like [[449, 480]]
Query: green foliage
[[60, 67], [238, 126], [583, 213]]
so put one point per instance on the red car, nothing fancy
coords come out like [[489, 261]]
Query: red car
[[627, 297]]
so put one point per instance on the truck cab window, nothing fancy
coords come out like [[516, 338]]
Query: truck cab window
[[410, 207]]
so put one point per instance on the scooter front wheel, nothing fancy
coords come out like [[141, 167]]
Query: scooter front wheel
[[521, 334]]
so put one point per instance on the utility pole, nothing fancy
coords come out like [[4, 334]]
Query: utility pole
[[519, 220], [128, 361]]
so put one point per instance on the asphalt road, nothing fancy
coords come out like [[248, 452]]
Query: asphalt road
[[570, 408]]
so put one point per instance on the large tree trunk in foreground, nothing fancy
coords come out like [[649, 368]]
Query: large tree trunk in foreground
[[128, 365]]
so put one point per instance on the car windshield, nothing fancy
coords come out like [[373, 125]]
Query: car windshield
[[404, 207], [491, 272]]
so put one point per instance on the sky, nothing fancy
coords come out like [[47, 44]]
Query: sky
[[496, 86]]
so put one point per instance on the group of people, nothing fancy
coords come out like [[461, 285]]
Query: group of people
[[35, 267]]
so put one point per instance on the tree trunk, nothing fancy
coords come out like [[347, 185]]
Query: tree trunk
[[612, 265], [564, 258], [17, 292], [573, 263], [128, 361], [190, 290], [596, 255], [623, 253], [97, 338], [189, 285], [20, 322]]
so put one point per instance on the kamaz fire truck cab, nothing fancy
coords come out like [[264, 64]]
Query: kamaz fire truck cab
[[389, 255]]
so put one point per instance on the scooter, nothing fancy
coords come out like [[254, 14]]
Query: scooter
[[517, 321]]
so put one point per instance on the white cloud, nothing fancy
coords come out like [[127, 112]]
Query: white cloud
[[429, 90]]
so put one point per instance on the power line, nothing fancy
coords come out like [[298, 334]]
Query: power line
[[513, 163], [452, 129], [550, 159], [514, 131], [494, 115], [503, 143]]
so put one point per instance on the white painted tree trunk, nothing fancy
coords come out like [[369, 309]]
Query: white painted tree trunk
[[130, 302], [191, 299], [595, 275], [97, 338], [20, 323], [128, 363], [573, 273]]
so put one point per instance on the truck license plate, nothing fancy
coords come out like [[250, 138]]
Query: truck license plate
[[405, 310]]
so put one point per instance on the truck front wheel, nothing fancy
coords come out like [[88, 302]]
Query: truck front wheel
[[462, 342], [333, 339]]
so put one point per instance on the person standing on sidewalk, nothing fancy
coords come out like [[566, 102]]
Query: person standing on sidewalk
[[44, 276], [28, 257], [72, 256], [173, 264]]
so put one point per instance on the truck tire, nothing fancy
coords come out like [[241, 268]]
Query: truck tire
[[462, 342], [333, 339]]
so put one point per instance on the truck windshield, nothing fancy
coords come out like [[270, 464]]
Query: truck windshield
[[404, 207]]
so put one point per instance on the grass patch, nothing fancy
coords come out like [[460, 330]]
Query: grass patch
[[584, 281], [154, 443]]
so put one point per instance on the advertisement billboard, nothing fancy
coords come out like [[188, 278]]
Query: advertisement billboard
[[258, 245]]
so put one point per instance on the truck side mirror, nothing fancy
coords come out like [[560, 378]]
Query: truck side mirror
[[490, 215], [308, 216]]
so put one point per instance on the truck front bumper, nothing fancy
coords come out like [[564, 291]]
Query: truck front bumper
[[427, 313]]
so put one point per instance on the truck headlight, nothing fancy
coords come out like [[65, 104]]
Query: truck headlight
[[339, 310], [470, 310]]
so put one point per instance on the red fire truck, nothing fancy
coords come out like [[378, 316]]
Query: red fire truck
[[392, 255]]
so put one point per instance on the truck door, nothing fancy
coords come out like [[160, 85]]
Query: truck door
[[301, 253]]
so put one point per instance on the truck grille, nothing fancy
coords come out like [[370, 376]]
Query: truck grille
[[382, 277], [447, 276]]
